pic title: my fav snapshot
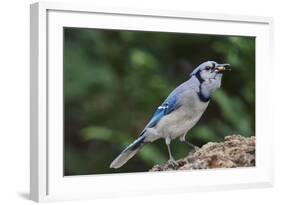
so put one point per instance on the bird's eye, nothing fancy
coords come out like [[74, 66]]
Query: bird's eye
[[208, 68]]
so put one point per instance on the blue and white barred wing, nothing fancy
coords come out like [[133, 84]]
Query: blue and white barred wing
[[167, 107]]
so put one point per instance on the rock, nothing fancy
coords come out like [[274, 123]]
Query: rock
[[235, 151]]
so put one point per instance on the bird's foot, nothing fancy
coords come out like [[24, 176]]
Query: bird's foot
[[173, 162], [196, 148]]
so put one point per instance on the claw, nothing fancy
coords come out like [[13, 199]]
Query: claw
[[173, 162], [196, 148]]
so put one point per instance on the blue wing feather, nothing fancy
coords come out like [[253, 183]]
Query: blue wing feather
[[167, 107]]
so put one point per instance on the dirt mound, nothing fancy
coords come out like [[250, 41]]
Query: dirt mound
[[235, 151]]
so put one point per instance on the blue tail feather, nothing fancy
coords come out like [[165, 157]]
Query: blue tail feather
[[129, 152], [136, 144]]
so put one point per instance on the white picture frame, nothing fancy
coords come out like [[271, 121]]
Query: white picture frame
[[47, 182]]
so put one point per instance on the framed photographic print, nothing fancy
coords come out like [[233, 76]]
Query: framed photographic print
[[125, 97]]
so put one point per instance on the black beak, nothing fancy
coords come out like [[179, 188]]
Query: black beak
[[222, 67]]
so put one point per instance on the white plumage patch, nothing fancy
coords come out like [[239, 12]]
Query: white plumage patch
[[163, 107]]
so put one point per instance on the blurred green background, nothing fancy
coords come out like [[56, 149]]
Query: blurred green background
[[114, 81]]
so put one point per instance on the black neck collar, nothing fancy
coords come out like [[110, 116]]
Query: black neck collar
[[202, 97], [200, 94], [198, 76]]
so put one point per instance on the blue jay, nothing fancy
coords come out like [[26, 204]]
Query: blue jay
[[179, 112]]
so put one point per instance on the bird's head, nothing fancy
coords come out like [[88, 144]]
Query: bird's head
[[209, 75], [210, 70]]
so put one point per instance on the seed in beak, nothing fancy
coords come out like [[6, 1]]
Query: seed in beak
[[223, 67], [220, 69]]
